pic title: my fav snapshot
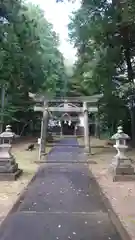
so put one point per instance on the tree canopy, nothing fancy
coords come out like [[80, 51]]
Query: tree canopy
[[30, 60], [104, 34]]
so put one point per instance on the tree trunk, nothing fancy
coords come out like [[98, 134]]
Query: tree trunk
[[124, 31], [130, 72], [2, 107]]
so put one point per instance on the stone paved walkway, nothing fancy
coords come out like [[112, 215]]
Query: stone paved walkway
[[61, 203]]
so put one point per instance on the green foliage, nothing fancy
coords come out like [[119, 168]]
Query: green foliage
[[29, 57], [104, 34]]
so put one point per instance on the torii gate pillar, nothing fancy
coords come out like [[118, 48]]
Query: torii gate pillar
[[86, 128], [44, 123]]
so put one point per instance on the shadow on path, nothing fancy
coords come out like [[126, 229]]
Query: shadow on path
[[61, 203]]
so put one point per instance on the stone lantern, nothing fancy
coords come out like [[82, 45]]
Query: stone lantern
[[121, 165], [8, 166]]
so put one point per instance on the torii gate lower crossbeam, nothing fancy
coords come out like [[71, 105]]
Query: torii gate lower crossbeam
[[92, 100], [44, 123]]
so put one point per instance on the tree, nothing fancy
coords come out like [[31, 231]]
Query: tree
[[103, 33], [29, 59]]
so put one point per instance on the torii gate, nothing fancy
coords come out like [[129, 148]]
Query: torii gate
[[46, 106]]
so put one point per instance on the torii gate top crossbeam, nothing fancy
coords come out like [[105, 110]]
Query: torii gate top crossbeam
[[68, 103], [62, 109], [89, 99]]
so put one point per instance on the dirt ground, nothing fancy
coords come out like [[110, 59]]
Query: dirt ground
[[121, 195], [10, 191]]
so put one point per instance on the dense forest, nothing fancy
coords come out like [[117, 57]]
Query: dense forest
[[103, 33], [29, 61]]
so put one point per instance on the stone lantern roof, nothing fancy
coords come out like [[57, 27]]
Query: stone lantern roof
[[8, 134], [120, 134]]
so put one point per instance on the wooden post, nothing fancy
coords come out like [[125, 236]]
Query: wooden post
[[61, 131], [96, 125], [44, 123], [86, 128], [97, 128]]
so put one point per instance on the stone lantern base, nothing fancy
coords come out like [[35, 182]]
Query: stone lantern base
[[10, 176], [9, 170], [122, 169], [8, 167]]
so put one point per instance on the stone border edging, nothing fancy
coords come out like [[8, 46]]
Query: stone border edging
[[19, 199], [112, 214], [22, 195]]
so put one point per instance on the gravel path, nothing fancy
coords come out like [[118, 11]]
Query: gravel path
[[61, 203]]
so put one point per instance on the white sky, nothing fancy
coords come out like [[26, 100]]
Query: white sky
[[58, 15]]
